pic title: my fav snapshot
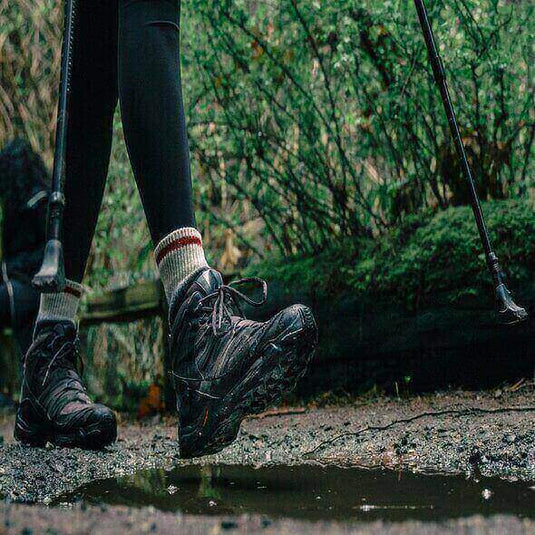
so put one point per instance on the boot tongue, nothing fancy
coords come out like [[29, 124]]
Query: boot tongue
[[204, 282], [209, 281], [57, 328]]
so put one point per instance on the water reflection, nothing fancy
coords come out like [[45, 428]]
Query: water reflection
[[310, 492]]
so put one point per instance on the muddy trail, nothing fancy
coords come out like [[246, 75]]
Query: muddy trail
[[451, 462]]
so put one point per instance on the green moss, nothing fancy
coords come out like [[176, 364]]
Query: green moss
[[425, 259]]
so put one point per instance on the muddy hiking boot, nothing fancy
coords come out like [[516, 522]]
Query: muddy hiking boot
[[54, 405], [226, 367]]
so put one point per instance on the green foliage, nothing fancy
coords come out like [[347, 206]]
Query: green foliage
[[322, 119], [122, 360], [308, 121], [122, 249], [29, 71], [426, 258]]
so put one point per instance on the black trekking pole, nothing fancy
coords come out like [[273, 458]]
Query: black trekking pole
[[51, 276], [508, 310]]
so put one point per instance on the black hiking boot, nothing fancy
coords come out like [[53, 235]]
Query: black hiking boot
[[54, 405], [226, 367]]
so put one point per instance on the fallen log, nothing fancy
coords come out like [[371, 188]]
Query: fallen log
[[143, 300]]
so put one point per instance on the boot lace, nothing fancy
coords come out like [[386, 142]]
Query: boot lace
[[67, 355], [222, 303]]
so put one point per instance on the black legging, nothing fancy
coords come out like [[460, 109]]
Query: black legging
[[130, 49]]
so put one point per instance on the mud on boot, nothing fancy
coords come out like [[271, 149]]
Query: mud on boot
[[54, 405], [226, 367]]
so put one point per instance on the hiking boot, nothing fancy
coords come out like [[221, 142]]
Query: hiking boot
[[54, 405], [226, 367]]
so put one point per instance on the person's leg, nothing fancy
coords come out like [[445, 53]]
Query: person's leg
[[54, 404], [89, 138], [19, 303], [224, 366], [153, 113], [90, 130], [155, 131], [26, 305]]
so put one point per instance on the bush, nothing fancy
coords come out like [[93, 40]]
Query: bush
[[427, 258], [323, 120]]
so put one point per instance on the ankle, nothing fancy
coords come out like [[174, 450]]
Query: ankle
[[59, 307], [179, 256]]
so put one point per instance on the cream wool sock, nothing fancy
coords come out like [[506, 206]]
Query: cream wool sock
[[179, 255], [62, 306]]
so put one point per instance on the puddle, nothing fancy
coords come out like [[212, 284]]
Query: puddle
[[310, 492]]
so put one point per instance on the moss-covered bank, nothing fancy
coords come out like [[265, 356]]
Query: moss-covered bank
[[414, 308], [427, 259]]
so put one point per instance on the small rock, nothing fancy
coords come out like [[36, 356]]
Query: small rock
[[510, 438], [487, 494]]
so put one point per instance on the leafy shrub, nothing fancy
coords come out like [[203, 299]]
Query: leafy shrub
[[427, 257]]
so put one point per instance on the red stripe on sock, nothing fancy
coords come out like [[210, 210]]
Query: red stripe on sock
[[72, 291], [177, 244]]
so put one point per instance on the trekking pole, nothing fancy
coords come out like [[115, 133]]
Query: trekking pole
[[509, 312], [51, 276]]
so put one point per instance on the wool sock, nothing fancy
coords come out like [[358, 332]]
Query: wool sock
[[179, 255], [61, 306]]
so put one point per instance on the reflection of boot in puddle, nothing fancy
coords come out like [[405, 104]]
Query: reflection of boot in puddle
[[152, 482], [209, 476]]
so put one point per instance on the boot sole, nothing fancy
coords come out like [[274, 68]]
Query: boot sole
[[94, 437], [282, 364]]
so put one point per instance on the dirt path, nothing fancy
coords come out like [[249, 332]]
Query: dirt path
[[28, 520], [491, 434]]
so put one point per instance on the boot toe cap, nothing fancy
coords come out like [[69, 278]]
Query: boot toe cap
[[101, 426], [296, 323], [93, 426]]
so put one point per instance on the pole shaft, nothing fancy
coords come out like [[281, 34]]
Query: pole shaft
[[440, 79], [57, 201]]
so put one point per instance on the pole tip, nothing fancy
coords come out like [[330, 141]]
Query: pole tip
[[509, 312], [51, 276]]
